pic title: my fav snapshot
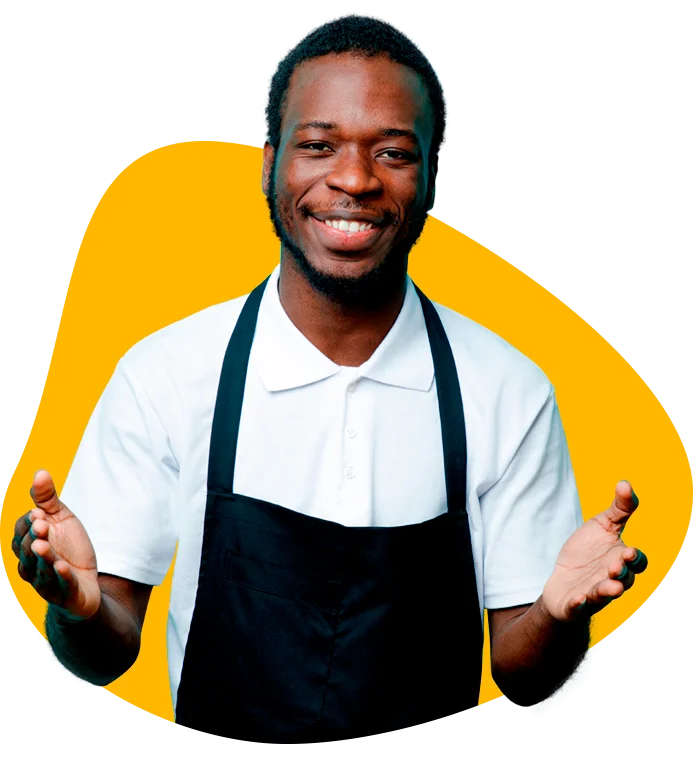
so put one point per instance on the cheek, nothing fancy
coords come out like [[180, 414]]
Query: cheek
[[288, 192], [408, 210], [409, 193], [282, 204]]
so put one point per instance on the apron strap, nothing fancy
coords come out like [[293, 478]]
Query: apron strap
[[451, 413], [228, 409], [231, 388]]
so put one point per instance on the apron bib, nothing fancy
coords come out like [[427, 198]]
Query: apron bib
[[305, 630]]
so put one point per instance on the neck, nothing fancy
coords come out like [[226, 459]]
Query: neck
[[347, 334]]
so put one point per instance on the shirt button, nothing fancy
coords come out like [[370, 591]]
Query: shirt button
[[349, 472], [351, 432], [352, 387]]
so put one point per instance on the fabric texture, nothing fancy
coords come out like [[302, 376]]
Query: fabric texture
[[358, 446]]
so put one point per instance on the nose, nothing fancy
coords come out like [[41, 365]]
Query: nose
[[353, 173]]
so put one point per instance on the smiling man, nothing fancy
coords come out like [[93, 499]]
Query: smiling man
[[305, 447]]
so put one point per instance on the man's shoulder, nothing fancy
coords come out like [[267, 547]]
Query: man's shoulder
[[198, 340], [481, 353]]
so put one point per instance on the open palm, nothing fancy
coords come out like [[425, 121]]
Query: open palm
[[56, 554], [595, 566]]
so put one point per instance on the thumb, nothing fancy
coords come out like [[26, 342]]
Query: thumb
[[624, 503], [43, 493]]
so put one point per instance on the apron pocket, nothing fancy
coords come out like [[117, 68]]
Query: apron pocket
[[284, 622], [281, 581]]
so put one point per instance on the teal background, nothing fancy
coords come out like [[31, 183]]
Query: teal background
[[83, 92]]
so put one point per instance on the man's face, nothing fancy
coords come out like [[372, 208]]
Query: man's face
[[349, 186]]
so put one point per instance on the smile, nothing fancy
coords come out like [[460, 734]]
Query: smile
[[346, 235], [352, 226]]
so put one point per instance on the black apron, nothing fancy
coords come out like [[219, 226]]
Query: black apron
[[306, 630]]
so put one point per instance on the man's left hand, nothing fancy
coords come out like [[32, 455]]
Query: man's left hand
[[595, 566]]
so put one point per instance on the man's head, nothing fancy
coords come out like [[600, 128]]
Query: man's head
[[355, 122]]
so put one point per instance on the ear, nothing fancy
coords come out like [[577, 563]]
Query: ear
[[434, 176], [431, 189], [267, 167]]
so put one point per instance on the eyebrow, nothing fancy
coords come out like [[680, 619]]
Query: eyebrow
[[317, 125], [388, 132]]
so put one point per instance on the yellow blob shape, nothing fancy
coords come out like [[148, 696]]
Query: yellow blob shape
[[187, 226]]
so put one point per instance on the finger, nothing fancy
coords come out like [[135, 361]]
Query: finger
[[636, 560], [39, 529], [67, 583], [16, 541], [607, 590], [46, 583], [26, 573], [22, 525], [624, 504], [66, 579], [43, 493], [26, 556], [625, 576], [576, 606], [43, 552]]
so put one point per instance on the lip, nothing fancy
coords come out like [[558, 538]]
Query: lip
[[363, 217], [345, 241]]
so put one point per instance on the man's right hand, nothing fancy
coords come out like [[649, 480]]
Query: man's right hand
[[55, 553]]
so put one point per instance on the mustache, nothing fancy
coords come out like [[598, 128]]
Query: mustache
[[388, 218]]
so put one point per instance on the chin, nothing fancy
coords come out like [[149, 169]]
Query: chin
[[361, 283], [354, 266]]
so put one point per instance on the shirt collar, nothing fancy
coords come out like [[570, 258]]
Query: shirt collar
[[284, 358]]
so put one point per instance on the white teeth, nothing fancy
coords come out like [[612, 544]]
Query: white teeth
[[352, 226]]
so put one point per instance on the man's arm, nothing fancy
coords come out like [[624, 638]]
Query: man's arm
[[122, 481], [99, 649], [94, 621], [532, 653], [536, 648]]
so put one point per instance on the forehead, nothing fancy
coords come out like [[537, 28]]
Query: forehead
[[356, 91]]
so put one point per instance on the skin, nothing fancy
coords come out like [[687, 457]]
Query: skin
[[334, 158], [355, 141], [94, 621]]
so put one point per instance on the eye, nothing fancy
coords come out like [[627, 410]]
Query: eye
[[397, 155], [317, 146]]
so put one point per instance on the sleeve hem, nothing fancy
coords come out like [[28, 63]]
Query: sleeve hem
[[513, 599], [133, 572]]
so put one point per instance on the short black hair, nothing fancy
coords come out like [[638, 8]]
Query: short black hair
[[365, 36]]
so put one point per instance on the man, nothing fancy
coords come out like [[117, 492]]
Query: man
[[305, 448]]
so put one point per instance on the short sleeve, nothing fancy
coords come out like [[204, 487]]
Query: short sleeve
[[122, 483], [529, 513]]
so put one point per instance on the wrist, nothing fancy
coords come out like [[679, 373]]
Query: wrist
[[544, 610], [546, 619], [63, 617], [575, 632]]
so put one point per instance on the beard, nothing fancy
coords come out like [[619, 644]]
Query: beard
[[367, 290]]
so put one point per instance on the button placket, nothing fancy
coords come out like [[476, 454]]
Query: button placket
[[351, 389], [351, 478], [350, 461], [360, 446]]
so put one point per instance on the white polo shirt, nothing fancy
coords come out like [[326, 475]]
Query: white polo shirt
[[359, 446]]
